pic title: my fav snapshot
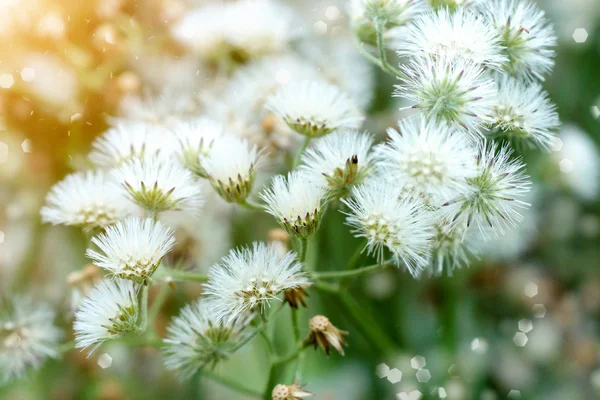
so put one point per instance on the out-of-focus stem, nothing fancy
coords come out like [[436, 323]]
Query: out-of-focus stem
[[235, 386], [348, 274], [300, 152], [249, 205], [180, 275], [143, 321]]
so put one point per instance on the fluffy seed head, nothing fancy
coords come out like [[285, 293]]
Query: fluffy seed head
[[388, 221], [160, 184], [495, 194], [110, 311], [195, 139], [231, 166], [90, 200], [339, 161], [461, 34], [314, 108], [195, 339], [427, 160], [524, 113], [127, 141], [366, 14], [452, 92], [526, 36], [28, 336], [289, 392], [132, 249], [249, 278], [296, 202]]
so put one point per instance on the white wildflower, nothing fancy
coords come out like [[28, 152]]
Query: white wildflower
[[450, 249], [526, 36], [494, 195], [401, 225], [365, 15], [524, 113], [314, 109], [127, 141], [461, 34], [132, 249], [194, 141], [237, 31], [160, 184], [110, 311], [427, 160], [339, 161], [90, 199], [231, 166], [28, 336], [452, 92], [296, 202], [196, 339], [250, 278]]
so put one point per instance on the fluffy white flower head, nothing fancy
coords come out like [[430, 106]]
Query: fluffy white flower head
[[526, 36], [452, 92], [296, 202], [379, 214], [126, 141], [133, 248], [524, 113], [365, 14], [449, 248], [460, 34], [160, 184], [28, 337], [427, 160], [314, 108], [194, 141], [495, 194], [110, 311], [249, 278], [90, 199], [196, 339], [235, 31], [339, 161], [231, 166]]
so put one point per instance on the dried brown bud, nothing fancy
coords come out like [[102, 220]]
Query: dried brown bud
[[289, 392], [296, 295], [323, 333]]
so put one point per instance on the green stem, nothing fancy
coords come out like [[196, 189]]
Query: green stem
[[143, 319], [249, 205], [263, 334], [379, 28], [181, 275], [358, 253], [290, 357], [300, 152], [271, 382], [235, 386], [448, 313], [348, 274], [66, 347], [158, 302], [303, 248]]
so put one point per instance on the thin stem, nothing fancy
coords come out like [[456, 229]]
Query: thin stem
[[348, 274], [301, 151], [295, 327], [143, 319], [250, 205], [66, 347], [290, 357], [235, 386], [158, 302], [358, 253], [181, 275], [270, 382], [379, 28], [263, 334], [303, 248]]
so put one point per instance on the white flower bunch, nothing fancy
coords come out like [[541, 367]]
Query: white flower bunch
[[297, 202], [90, 199], [132, 249], [196, 339], [387, 220], [248, 279], [110, 311], [314, 109], [28, 336]]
